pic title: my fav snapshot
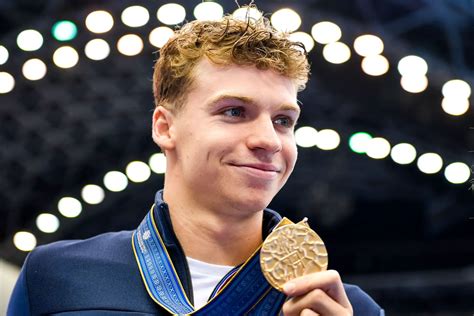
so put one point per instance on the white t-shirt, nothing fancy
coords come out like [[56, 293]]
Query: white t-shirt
[[205, 277]]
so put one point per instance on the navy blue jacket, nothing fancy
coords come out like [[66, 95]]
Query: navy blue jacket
[[99, 276]]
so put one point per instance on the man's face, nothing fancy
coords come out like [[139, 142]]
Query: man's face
[[234, 137]]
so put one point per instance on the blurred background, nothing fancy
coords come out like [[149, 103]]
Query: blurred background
[[385, 139]]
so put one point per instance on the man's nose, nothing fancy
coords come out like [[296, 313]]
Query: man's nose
[[263, 135]]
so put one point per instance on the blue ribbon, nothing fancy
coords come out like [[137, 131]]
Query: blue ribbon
[[246, 293]]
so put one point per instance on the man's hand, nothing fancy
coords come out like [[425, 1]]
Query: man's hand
[[320, 293]]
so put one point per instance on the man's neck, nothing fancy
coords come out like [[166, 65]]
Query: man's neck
[[214, 236]]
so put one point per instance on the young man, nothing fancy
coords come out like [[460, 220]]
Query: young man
[[226, 107]]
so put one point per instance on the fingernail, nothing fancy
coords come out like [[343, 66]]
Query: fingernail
[[288, 288]]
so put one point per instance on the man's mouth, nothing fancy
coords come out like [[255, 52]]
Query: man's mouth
[[259, 166], [262, 171]]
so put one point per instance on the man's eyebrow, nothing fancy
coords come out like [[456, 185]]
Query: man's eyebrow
[[247, 100], [224, 97], [291, 107]]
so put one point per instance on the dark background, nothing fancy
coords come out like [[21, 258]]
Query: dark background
[[405, 237]]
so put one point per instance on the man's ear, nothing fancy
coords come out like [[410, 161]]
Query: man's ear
[[162, 128]]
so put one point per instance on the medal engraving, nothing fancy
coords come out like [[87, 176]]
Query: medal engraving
[[291, 251]]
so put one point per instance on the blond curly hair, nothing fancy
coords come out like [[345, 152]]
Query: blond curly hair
[[224, 42]]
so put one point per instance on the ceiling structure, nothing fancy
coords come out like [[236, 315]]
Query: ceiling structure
[[404, 236]]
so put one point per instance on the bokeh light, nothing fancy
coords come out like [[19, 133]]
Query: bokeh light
[[24, 241], [34, 69], [430, 163], [457, 172], [336, 53], [47, 223], [368, 45], [130, 45], [412, 66], [249, 13], [303, 38], [3, 55], [69, 207], [115, 181], [306, 136], [375, 65], [97, 49], [456, 88], [135, 16], [455, 106], [65, 57], [378, 148], [328, 139], [286, 20], [64, 31], [358, 142], [414, 84], [92, 194], [138, 171], [326, 32], [208, 11], [29, 40], [7, 82], [403, 153], [157, 163], [159, 36], [171, 14], [99, 22]]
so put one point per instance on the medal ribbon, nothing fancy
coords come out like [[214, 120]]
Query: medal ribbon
[[245, 292]]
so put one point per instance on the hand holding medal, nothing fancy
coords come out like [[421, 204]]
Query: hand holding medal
[[294, 260]]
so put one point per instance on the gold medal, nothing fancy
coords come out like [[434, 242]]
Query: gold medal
[[290, 251]]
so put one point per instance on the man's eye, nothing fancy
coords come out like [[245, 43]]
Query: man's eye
[[284, 121], [234, 112]]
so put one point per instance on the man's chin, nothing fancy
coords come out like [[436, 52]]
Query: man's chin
[[254, 202]]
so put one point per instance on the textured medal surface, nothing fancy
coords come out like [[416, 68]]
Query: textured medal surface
[[292, 251]]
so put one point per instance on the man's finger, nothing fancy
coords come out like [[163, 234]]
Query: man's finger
[[328, 281], [316, 301], [308, 312]]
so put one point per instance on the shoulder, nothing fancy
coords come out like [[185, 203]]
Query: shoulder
[[99, 273], [361, 302], [99, 243], [104, 246], [54, 262], [86, 256]]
